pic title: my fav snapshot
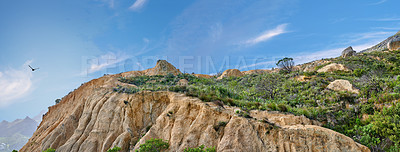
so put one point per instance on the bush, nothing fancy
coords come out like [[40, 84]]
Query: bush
[[50, 150], [286, 64], [200, 149], [359, 72], [153, 145], [114, 149]]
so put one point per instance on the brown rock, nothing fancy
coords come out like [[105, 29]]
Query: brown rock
[[342, 85], [303, 78], [231, 73], [162, 68], [94, 118], [310, 67], [348, 52], [333, 67], [394, 44], [183, 82]]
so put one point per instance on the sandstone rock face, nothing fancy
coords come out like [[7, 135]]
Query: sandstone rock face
[[333, 67], [231, 73], [348, 52], [162, 68], [342, 85], [394, 44], [94, 118], [383, 45]]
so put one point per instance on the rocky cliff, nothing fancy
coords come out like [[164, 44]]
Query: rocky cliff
[[94, 118]]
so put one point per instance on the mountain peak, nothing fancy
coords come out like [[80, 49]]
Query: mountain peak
[[162, 67]]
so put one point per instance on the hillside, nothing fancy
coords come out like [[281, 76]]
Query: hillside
[[340, 104], [15, 134]]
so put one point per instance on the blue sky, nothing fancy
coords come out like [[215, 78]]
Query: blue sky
[[75, 41]]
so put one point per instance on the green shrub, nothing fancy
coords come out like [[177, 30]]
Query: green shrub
[[50, 150], [200, 149], [114, 149], [153, 145], [359, 72]]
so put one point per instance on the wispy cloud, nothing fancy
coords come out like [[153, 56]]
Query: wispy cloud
[[137, 5], [280, 29], [15, 84], [107, 60], [308, 57], [385, 19], [379, 2]]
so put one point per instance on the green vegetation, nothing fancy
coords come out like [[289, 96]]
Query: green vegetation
[[371, 117], [50, 150], [153, 145], [200, 149], [114, 149]]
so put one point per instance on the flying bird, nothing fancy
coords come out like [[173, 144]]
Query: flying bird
[[33, 69]]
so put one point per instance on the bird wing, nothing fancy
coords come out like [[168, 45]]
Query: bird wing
[[30, 66]]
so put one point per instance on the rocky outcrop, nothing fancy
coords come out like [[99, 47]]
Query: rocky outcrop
[[311, 66], [333, 67], [383, 45], [302, 78], [348, 52], [94, 118], [183, 82], [231, 73], [394, 44], [342, 85], [162, 68]]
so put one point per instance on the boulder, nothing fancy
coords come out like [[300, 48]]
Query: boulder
[[333, 67], [183, 82], [342, 85], [303, 78], [394, 44], [162, 68], [348, 52], [231, 73], [310, 67]]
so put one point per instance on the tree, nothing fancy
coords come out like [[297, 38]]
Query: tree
[[58, 101], [153, 145], [286, 64], [115, 149]]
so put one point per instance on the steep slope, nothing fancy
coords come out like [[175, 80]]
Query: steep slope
[[383, 45], [94, 118]]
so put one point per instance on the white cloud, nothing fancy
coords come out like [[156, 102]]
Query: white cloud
[[15, 84], [308, 57], [280, 29], [329, 53], [105, 61], [386, 19], [137, 5], [379, 2]]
